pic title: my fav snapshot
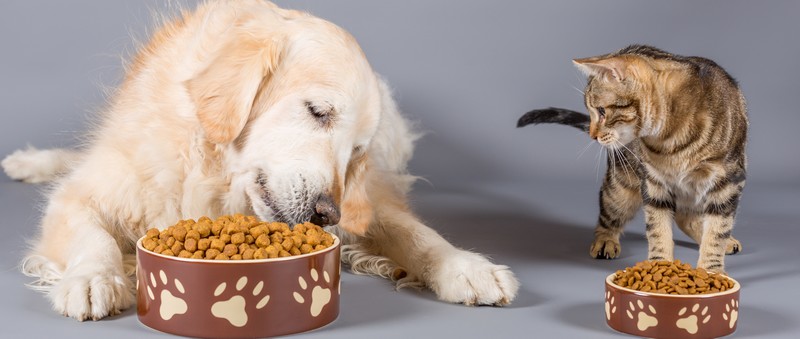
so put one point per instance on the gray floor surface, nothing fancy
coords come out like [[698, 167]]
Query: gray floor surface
[[542, 234], [464, 71]]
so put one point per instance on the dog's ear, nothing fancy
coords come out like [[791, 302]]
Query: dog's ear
[[356, 207], [225, 90]]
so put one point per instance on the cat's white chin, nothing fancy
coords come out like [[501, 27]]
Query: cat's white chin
[[617, 138]]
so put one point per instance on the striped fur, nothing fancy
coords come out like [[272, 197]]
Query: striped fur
[[675, 128]]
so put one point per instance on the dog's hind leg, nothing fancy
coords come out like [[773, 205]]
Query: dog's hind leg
[[32, 165], [77, 261]]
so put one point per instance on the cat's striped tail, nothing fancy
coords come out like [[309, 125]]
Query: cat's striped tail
[[555, 116]]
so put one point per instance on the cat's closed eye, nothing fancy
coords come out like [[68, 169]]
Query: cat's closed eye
[[620, 119], [601, 111]]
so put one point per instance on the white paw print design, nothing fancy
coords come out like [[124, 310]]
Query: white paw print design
[[170, 304], [691, 322], [610, 307], [233, 309], [731, 312], [644, 320], [319, 296]]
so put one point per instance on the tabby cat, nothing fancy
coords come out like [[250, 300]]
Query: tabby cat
[[675, 129]]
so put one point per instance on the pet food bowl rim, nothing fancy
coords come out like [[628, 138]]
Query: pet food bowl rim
[[336, 244], [736, 287]]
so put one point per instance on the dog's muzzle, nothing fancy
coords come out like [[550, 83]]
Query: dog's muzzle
[[325, 212]]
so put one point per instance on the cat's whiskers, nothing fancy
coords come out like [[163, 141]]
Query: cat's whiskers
[[614, 160], [579, 78], [597, 163], [633, 154], [625, 162], [585, 148], [610, 164]]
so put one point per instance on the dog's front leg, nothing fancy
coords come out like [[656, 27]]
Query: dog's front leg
[[78, 263], [455, 275]]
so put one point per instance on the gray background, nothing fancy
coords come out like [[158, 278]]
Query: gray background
[[464, 71]]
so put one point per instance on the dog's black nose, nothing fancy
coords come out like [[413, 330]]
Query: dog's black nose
[[325, 212]]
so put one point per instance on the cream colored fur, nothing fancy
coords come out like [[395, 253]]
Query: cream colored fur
[[213, 118]]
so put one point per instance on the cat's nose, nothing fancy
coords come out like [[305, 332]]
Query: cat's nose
[[325, 212]]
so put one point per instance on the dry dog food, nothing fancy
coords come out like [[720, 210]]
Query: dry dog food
[[236, 237], [671, 277]]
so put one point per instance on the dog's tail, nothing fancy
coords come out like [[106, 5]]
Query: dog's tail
[[555, 116], [33, 165]]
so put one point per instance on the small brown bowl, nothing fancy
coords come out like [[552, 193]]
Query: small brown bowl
[[238, 298], [654, 315]]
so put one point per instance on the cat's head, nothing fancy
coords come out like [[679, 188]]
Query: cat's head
[[618, 97]]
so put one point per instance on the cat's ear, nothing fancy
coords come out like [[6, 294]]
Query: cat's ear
[[615, 67]]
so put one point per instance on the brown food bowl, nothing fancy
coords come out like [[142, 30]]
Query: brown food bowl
[[654, 315], [238, 298]]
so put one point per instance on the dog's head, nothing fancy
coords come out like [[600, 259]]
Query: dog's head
[[295, 104]]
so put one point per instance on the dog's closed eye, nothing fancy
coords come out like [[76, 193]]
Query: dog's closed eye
[[323, 114]]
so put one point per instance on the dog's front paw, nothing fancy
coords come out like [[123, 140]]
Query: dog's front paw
[[92, 296], [469, 278]]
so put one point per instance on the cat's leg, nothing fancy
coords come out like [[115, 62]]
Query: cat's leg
[[718, 191], [716, 236], [720, 210], [659, 208], [620, 198], [692, 224]]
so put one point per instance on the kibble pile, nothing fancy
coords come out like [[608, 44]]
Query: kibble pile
[[671, 277], [236, 237]]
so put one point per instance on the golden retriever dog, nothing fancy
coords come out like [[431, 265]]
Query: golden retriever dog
[[241, 107]]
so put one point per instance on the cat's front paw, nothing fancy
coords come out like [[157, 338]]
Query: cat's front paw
[[734, 246], [605, 247]]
